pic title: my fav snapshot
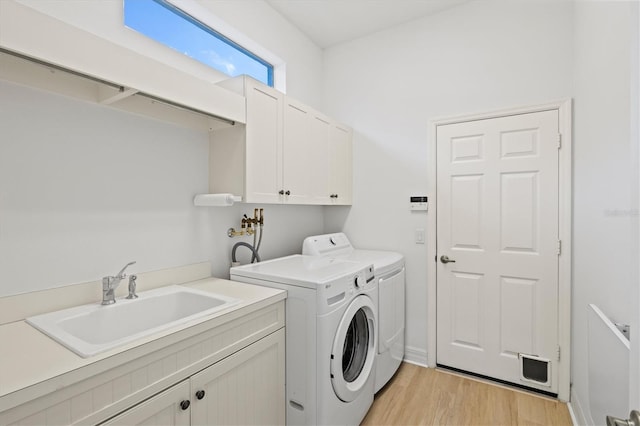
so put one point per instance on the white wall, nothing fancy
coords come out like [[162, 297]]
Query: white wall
[[85, 189], [477, 57], [605, 176]]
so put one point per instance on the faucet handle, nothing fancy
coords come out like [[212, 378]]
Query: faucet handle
[[120, 274], [132, 287]]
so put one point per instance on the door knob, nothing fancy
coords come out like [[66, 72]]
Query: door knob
[[633, 420], [200, 394], [445, 259], [185, 404]]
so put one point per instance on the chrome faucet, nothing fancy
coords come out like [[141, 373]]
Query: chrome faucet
[[110, 283]]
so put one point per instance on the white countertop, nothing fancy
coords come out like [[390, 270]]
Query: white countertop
[[29, 357]]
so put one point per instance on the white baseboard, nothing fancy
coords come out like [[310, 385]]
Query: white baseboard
[[574, 420], [578, 416], [415, 356]]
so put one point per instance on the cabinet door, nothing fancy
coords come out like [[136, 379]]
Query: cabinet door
[[162, 409], [340, 164], [318, 163], [297, 157], [263, 143], [245, 388]]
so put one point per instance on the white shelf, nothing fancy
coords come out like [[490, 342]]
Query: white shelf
[[116, 76]]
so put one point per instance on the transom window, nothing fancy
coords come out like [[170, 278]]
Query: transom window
[[174, 28]]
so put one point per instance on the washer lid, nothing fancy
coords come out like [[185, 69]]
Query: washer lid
[[299, 270], [338, 245], [383, 261]]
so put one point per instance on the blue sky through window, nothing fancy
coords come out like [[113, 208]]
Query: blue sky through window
[[172, 27]]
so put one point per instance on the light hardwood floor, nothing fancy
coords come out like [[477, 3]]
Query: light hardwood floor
[[426, 396]]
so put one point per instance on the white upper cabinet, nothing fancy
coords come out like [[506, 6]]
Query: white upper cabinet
[[286, 153]]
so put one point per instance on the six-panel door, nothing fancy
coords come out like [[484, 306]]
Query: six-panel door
[[497, 215]]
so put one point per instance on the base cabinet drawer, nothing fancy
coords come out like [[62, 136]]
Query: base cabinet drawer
[[246, 388]]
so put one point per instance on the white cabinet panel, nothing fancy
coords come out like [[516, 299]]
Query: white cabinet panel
[[263, 144], [245, 388], [297, 162], [306, 154], [319, 154], [340, 164], [163, 409]]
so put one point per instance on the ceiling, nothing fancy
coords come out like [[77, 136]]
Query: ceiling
[[331, 22]]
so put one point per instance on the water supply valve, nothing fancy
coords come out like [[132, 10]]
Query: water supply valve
[[248, 225]]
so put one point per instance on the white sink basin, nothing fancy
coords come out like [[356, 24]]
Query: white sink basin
[[90, 329]]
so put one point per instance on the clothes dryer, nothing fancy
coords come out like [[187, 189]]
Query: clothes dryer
[[390, 276], [331, 334]]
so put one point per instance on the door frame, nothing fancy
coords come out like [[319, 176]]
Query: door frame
[[565, 194]]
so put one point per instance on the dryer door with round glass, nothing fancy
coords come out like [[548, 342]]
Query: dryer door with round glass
[[354, 349]]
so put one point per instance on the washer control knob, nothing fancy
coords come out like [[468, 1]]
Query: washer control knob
[[358, 281]]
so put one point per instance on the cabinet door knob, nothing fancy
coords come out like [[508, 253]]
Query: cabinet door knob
[[288, 192], [200, 394], [185, 404], [281, 192]]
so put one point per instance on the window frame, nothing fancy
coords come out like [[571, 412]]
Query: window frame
[[191, 19]]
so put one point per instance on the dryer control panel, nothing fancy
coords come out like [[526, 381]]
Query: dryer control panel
[[342, 290]]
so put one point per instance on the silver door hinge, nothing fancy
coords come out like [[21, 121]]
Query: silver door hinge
[[558, 353], [559, 247], [559, 140]]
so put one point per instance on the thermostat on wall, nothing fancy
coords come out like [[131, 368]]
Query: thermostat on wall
[[419, 203]]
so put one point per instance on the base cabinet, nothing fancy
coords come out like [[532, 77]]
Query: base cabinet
[[227, 373], [244, 388]]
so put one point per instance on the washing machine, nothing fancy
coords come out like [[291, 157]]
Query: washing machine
[[331, 310], [390, 276]]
